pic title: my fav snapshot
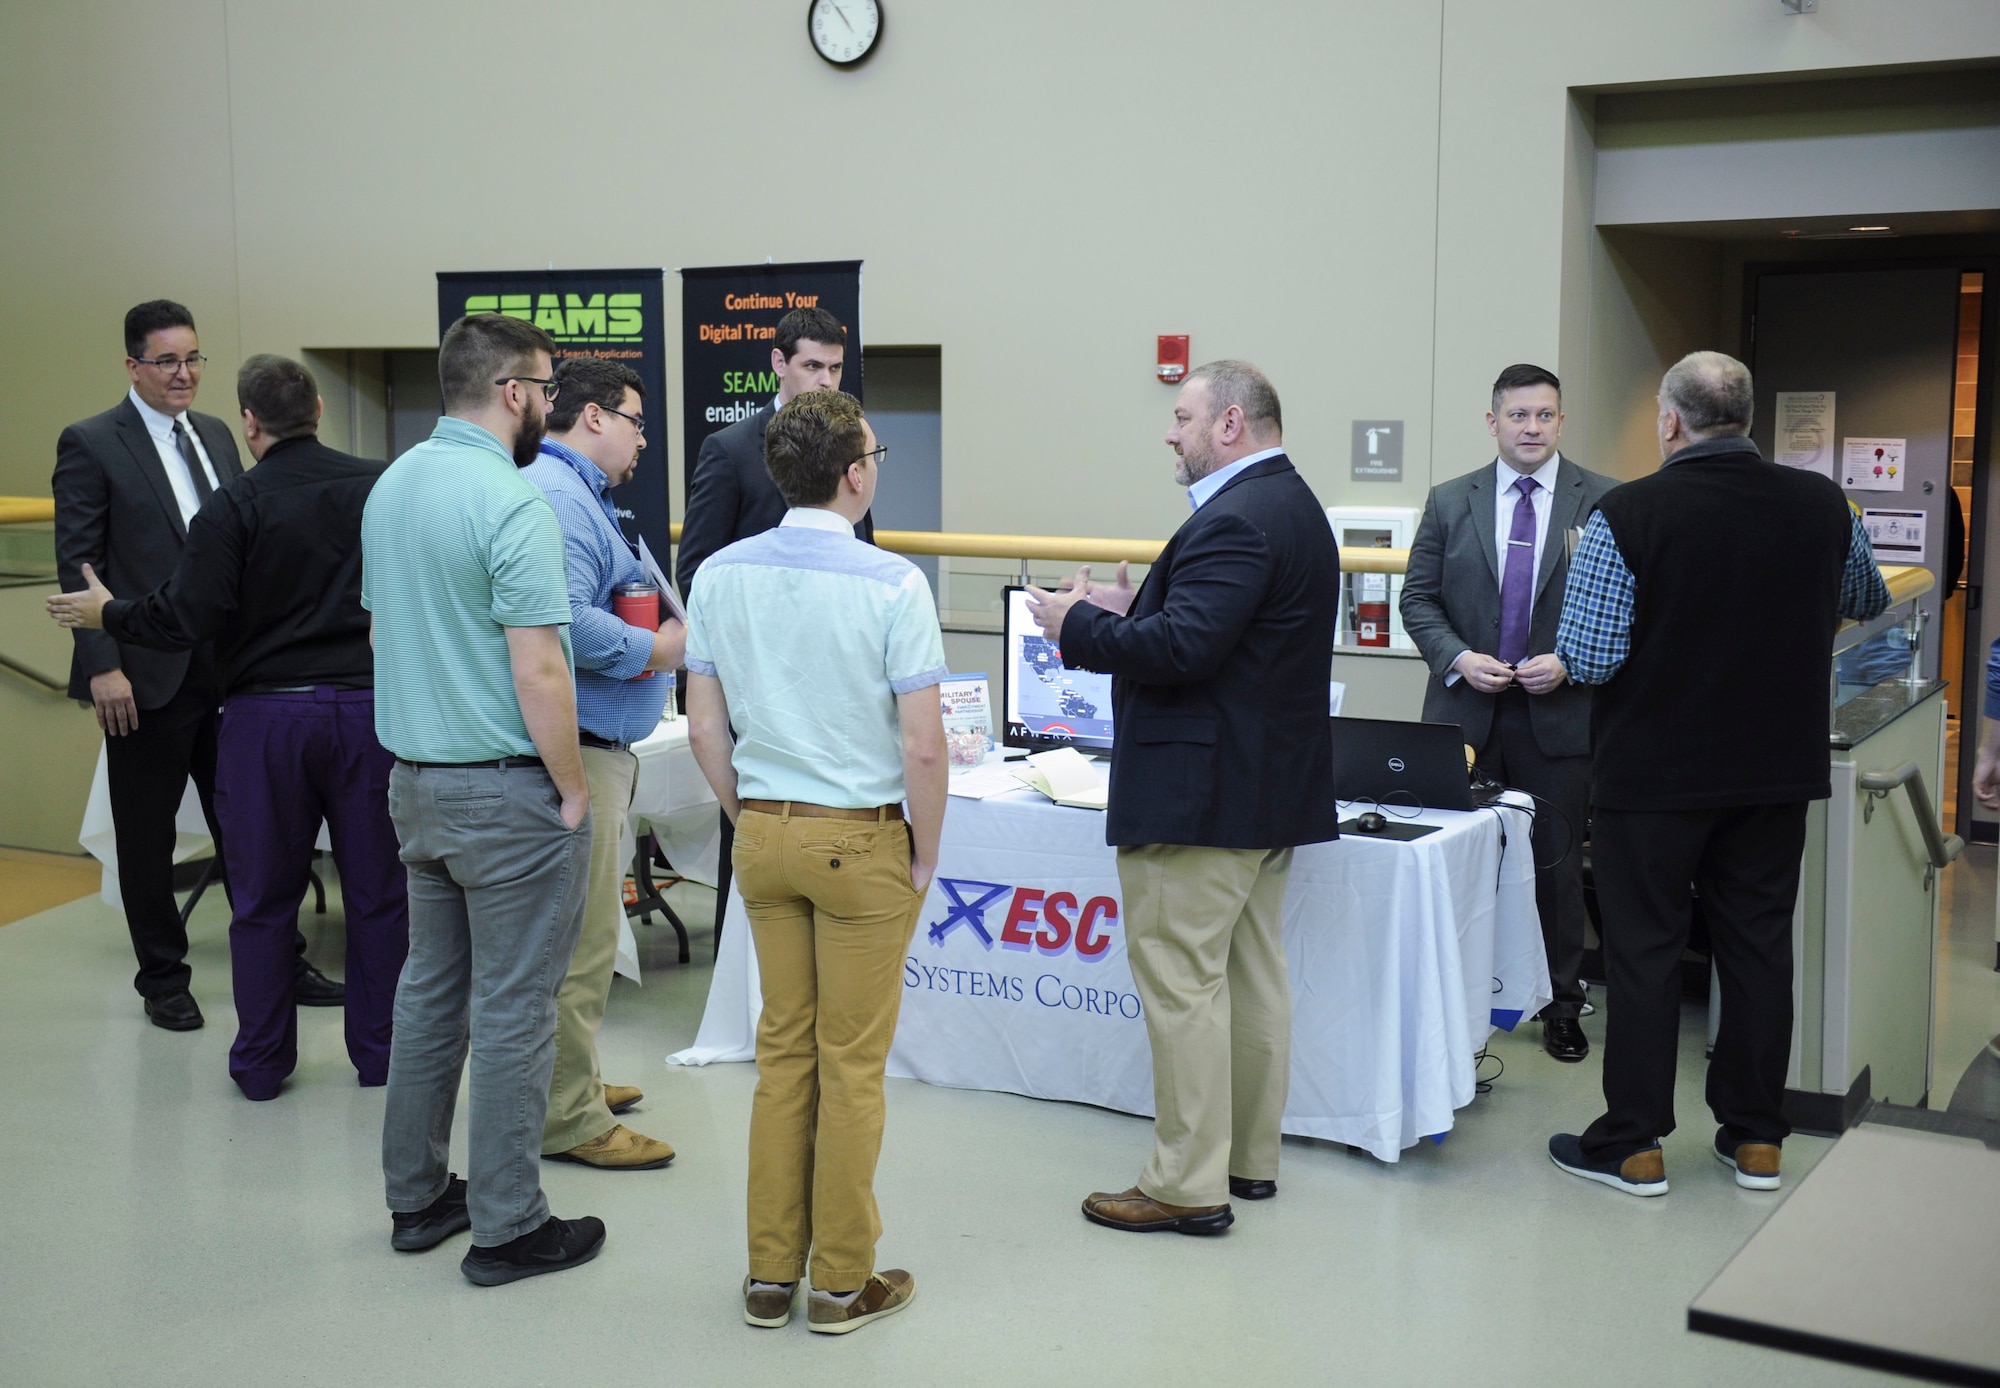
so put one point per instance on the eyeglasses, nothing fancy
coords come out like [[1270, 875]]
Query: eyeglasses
[[549, 387], [638, 420], [880, 453], [172, 364]]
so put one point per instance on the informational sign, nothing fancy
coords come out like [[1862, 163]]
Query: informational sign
[[1378, 450], [616, 314], [1897, 537], [729, 328], [1873, 465], [1805, 430], [968, 717]]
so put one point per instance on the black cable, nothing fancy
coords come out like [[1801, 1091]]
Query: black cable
[[1485, 1085]]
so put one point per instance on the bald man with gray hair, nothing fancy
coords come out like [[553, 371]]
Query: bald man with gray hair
[[1709, 742], [1223, 765]]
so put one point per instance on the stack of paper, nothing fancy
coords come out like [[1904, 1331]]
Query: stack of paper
[[981, 782], [1067, 777]]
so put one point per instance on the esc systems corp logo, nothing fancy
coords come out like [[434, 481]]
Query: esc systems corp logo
[[1042, 922]]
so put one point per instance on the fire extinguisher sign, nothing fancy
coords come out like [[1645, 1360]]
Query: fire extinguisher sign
[[1378, 450]]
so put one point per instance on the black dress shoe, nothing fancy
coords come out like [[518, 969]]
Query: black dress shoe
[[433, 1224], [174, 1012], [1563, 1038], [1243, 1188], [558, 1244], [311, 988]]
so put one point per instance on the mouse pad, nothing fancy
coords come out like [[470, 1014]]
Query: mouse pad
[[1397, 830]]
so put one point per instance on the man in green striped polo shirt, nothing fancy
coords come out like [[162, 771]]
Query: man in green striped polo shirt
[[463, 573]]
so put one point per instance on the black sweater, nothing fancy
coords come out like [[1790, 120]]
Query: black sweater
[[272, 574], [1723, 699]]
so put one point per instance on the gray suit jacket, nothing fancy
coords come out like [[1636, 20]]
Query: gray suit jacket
[[1451, 602], [115, 511]]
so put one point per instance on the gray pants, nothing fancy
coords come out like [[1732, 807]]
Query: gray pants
[[496, 901]]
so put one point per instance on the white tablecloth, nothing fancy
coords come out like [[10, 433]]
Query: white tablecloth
[[672, 799], [1403, 956], [100, 839]]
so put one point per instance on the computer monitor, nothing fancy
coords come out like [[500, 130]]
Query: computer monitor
[[1043, 703]]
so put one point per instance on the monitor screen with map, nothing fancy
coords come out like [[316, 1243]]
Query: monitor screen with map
[[1043, 702]]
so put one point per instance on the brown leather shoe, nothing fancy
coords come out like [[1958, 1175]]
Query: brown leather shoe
[[1755, 1163], [1139, 1213], [883, 1294], [621, 1149], [619, 1097], [768, 1308]]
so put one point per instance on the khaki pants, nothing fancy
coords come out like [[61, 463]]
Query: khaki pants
[[831, 910], [577, 1112], [1204, 934]]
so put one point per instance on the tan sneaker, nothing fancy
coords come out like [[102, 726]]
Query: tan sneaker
[[767, 1308], [619, 1097], [621, 1149], [883, 1294], [1755, 1163]]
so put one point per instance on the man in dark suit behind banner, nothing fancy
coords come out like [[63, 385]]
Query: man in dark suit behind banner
[[126, 484], [732, 497], [1222, 765], [1482, 599]]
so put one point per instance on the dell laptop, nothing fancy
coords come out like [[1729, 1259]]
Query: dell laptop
[[1413, 765]]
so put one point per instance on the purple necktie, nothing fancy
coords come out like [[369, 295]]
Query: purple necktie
[[1517, 584]]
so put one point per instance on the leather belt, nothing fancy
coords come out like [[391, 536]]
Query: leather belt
[[799, 809], [500, 764], [587, 738]]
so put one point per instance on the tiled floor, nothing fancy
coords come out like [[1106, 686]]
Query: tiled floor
[[161, 1230]]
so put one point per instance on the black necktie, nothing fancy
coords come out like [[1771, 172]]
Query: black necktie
[[196, 473]]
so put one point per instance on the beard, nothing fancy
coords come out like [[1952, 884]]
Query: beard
[[1190, 466], [528, 442]]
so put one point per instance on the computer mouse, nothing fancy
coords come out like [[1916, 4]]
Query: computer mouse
[[1372, 823]]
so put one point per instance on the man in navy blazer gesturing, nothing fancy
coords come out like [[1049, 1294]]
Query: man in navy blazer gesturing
[[1222, 765]]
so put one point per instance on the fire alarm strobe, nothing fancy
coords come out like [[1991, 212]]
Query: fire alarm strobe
[[1173, 366]]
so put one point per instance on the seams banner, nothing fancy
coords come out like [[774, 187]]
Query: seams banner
[[616, 314], [729, 328]]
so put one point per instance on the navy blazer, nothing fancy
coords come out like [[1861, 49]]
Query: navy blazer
[[1451, 602], [732, 497], [1219, 674], [115, 510]]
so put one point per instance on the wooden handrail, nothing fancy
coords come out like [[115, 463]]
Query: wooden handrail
[[20, 510], [1076, 548]]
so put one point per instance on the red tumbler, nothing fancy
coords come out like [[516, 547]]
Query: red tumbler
[[637, 605]]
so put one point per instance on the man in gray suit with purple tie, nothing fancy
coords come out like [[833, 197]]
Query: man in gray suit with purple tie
[[1482, 599]]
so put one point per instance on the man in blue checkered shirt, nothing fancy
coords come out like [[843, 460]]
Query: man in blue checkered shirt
[[1702, 603]]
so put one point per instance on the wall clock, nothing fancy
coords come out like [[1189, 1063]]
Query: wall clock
[[844, 31]]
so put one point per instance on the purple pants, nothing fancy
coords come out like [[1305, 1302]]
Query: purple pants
[[283, 762]]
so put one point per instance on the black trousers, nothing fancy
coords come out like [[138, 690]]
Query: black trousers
[[1745, 862], [148, 770], [1512, 756], [722, 875]]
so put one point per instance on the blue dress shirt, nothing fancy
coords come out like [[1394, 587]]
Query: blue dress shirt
[[611, 701]]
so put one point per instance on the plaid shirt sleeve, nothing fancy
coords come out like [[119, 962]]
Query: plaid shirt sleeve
[[1863, 594], [1595, 634]]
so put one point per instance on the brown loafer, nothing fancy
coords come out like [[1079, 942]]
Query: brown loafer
[[766, 1307], [1139, 1213], [619, 1097], [883, 1294], [621, 1149]]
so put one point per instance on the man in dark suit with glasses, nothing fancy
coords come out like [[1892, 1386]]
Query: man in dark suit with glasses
[[126, 484]]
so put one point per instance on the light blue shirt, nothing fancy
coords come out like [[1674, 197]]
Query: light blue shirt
[[611, 700], [813, 634], [457, 546], [1200, 491]]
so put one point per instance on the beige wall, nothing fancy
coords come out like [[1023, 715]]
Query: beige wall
[[1379, 203]]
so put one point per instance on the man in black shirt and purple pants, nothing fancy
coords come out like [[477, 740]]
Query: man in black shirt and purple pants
[[272, 574]]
